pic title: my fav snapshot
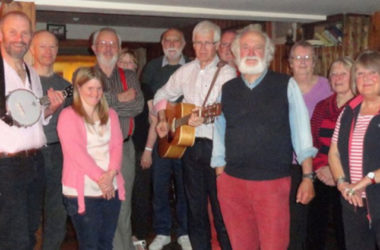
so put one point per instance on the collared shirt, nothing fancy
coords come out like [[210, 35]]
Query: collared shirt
[[13, 138], [193, 83], [166, 62], [298, 121], [125, 110]]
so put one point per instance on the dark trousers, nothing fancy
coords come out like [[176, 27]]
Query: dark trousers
[[21, 191], [163, 170], [298, 212], [141, 200], [357, 231], [54, 213], [200, 186], [95, 228], [324, 210]]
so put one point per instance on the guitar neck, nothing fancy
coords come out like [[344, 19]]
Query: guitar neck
[[208, 113], [182, 121]]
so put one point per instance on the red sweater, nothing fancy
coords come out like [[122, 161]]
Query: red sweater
[[323, 122]]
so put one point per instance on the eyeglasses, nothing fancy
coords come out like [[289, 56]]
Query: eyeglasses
[[104, 44], [299, 59], [207, 44]]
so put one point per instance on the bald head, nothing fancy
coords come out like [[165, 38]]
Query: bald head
[[44, 48], [15, 14], [15, 35]]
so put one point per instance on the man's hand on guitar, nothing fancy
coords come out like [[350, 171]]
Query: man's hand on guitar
[[195, 119], [56, 99]]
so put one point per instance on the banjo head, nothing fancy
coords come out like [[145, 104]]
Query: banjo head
[[24, 107]]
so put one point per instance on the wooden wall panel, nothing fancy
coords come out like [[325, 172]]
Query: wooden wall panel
[[374, 40]]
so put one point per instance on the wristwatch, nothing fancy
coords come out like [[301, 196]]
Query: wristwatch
[[310, 176], [371, 176]]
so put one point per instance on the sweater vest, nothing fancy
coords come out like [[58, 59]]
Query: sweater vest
[[371, 154], [258, 140]]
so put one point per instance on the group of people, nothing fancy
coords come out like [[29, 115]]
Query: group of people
[[285, 152]]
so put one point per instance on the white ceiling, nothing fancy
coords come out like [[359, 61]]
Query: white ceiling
[[268, 10]]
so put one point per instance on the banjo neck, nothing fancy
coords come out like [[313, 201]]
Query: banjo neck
[[68, 91]]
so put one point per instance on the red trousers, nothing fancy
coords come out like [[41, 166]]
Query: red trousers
[[256, 213]]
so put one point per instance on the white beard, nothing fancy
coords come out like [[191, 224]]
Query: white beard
[[168, 53], [109, 62], [251, 70]]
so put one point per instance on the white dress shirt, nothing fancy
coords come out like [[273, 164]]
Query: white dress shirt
[[193, 83], [13, 138]]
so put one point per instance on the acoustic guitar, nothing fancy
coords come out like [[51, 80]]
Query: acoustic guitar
[[180, 134]]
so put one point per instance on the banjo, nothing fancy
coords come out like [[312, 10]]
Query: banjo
[[24, 108]]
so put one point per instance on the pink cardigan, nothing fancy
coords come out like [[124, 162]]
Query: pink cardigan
[[77, 162]]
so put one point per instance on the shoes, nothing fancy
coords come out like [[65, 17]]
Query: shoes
[[184, 242], [159, 242]]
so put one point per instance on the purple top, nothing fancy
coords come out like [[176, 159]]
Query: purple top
[[320, 91]]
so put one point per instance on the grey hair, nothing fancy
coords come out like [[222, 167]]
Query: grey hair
[[256, 28], [368, 59], [207, 26], [109, 29], [348, 64], [173, 29], [303, 44]]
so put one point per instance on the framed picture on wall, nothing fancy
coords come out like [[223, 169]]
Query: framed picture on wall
[[57, 29]]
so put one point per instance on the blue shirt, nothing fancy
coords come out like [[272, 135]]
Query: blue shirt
[[298, 119]]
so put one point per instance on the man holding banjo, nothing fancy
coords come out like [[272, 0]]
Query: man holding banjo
[[21, 161]]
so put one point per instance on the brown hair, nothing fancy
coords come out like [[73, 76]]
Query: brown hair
[[80, 77], [129, 52]]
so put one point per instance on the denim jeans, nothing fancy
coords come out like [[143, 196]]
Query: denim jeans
[[95, 228], [163, 170], [21, 191], [54, 228], [200, 187]]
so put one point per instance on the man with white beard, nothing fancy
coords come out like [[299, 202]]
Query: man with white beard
[[123, 94], [156, 74], [157, 71], [264, 118]]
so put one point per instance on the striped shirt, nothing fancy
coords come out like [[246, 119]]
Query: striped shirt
[[125, 110], [357, 144]]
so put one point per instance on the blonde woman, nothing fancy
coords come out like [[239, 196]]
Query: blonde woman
[[354, 156], [91, 141]]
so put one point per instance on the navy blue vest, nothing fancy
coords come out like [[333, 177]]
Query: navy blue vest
[[371, 154], [258, 141]]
